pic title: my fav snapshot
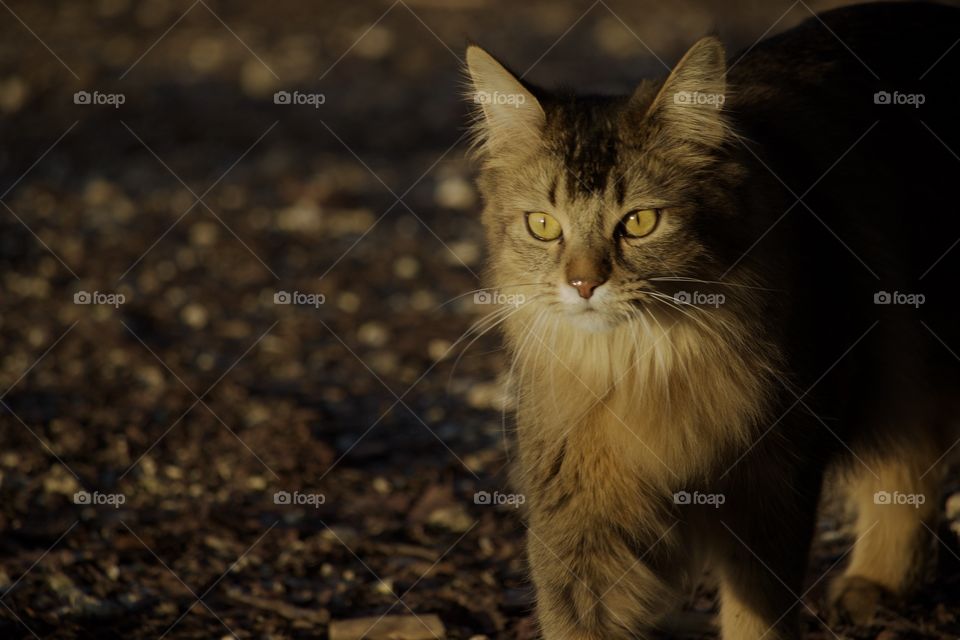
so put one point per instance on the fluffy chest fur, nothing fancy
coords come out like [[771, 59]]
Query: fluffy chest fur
[[659, 401]]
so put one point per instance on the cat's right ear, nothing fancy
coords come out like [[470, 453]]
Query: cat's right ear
[[689, 105], [507, 115]]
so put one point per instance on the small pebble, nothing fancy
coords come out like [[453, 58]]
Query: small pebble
[[194, 315], [348, 302], [462, 253], [406, 267], [373, 334], [453, 518], [375, 43], [953, 506], [455, 193], [381, 485], [13, 94], [438, 349], [485, 395], [204, 234], [256, 79]]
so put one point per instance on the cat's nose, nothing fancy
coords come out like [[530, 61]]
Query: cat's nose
[[585, 286]]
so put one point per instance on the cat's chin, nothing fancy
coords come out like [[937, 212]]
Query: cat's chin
[[591, 321]]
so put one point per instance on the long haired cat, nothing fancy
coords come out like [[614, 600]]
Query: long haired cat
[[735, 281]]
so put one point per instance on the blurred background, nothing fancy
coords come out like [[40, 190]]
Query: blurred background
[[238, 241]]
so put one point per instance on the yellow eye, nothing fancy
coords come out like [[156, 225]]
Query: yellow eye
[[543, 226], [641, 222]]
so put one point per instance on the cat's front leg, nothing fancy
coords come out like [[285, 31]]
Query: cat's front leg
[[762, 548], [593, 581]]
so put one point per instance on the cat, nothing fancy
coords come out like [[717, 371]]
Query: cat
[[737, 284]]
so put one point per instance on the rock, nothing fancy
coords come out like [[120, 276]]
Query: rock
[[304, 215], [455, 193], [348, 302], [206, 54], [463, 252], [13, 94], [438, 349], [257, 80], [257, 483], [425, 627], [313, 617], [375, 43], [373, 334], [406, 267], [343, 222], [381, 485], [59, 481], [486, 395], [423, 300], [204, 234], [453, 518], [953, 506], [194, 315]]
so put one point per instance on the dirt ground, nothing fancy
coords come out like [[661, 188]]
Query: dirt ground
[[187, 456]]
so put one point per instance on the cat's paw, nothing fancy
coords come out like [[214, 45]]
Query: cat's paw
[[854, 600]]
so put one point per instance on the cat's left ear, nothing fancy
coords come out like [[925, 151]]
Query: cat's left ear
[[508, 114], [689, 106]]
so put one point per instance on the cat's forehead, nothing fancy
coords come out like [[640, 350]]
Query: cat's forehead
[[586, 138]]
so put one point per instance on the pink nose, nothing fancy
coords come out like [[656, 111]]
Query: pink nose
[[585, 286]]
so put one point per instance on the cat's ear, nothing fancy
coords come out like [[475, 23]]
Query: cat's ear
[[507, 114], [689, 106]]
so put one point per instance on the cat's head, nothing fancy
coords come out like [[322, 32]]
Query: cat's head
[[596, 205]]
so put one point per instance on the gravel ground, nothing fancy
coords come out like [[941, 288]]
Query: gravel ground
[[189, 457]]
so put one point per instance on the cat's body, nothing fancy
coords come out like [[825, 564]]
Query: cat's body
[[735, 353]]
